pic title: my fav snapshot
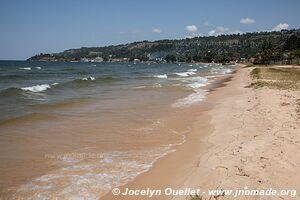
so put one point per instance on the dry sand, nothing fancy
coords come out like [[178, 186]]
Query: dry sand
[[243, 137]]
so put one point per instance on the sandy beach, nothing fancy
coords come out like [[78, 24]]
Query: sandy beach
[[138, 100], [246, 135]]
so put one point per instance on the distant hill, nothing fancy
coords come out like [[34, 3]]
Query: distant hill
[[258, 47]]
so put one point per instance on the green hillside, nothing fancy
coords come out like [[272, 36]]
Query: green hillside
[[258, 47]]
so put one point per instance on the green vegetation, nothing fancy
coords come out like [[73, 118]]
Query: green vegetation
[[260, 48], [288, 51], [277, 78], [255, 73]]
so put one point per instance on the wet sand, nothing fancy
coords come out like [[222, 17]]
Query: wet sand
[[242, 137], [79, 149]]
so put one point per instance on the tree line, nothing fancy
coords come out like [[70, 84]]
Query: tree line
[[257, 47]]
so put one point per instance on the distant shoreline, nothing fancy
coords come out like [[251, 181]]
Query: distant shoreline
[[276, 47]]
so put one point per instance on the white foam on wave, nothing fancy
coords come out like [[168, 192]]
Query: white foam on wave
[[196, 78], [227, 71], [157, 85], [192, 70], [220, 70], [38, 68], [93, 178], [139, 87], [195, 81], [161, 76], [154, 85], [191, 99], [37, 88], [89, 78], [25, 68], [185, 74], [197, 85]]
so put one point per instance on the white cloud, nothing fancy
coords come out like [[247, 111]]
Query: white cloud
[[220, 30], [191, 28], [156, 30], [280, 27], [247, 20]]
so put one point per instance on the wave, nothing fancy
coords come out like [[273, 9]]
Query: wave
[[161, 76], [170, 85], [25, 68], [195, 78], [220, 70], [140, 87], [38, 88], [191, 99], [154, 85], [73, 84], [89, 78], [157, 85], [192, 70], [86, 82], [38, 68], [195, 82], [117, 168], [227, 71], [185, 74], [197, 85], [13, 91]]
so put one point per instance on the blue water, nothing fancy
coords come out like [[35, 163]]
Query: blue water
[[24, 84], [128, 114]]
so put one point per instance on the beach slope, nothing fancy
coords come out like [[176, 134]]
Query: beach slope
[[248, 137]]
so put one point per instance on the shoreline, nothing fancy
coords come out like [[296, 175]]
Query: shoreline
[[241, 135], [163, 174], [232, 144], [149, 127]]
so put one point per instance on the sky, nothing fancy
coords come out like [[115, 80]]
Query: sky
[[29, 27]]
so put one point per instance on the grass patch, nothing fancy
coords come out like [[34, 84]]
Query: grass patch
[[255, 73], [276, 78]]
